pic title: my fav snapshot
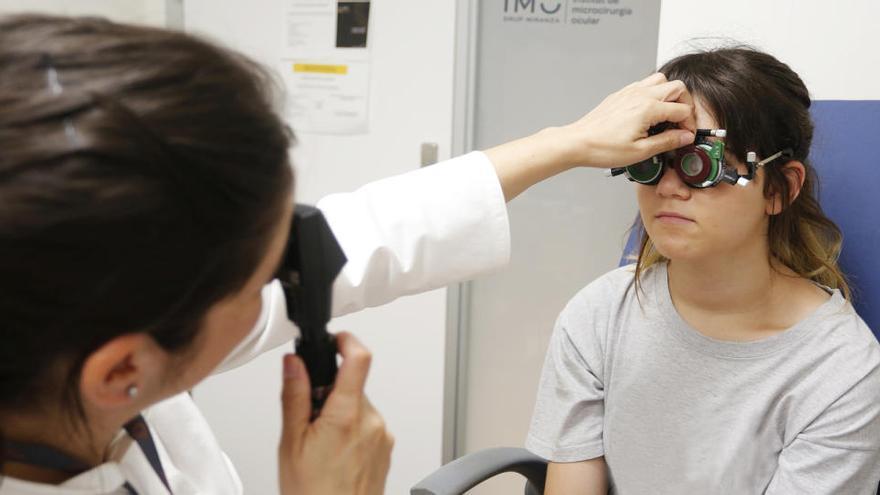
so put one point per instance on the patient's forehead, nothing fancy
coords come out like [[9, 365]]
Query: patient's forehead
[[705, 120], [703, 116]]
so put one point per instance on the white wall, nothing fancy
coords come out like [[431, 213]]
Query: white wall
[[411, 102], [834, 46]]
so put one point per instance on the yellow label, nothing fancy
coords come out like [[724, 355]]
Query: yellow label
[[321, 68]]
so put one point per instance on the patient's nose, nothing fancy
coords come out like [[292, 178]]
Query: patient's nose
[[671, 185]]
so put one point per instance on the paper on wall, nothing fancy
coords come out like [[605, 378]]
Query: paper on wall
[[326, 66]]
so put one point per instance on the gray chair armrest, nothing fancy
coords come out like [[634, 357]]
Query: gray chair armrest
[[466, 472]]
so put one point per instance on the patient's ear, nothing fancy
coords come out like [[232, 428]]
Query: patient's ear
[[795, 174]]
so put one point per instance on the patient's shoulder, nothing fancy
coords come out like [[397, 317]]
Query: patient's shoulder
[[843, 331], [603, 296], [609, 287]]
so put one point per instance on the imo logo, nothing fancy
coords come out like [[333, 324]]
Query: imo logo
[[529, 6]]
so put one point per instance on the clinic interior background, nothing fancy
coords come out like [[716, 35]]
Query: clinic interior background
[[455, 370]]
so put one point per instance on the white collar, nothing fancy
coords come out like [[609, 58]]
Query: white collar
[[104, 479]]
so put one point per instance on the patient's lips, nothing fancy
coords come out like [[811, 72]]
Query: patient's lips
[[674, 218]]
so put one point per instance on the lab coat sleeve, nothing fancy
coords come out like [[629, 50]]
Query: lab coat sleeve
[[402, 235], [418, 231]]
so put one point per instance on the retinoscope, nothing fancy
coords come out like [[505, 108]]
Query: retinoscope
[[310, 265]]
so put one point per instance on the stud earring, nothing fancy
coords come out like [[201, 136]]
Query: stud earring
[[132, 391]]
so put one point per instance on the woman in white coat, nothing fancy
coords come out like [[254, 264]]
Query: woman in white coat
[[146, 195]]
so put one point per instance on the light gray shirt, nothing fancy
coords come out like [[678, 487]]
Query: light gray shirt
[[674, 411]]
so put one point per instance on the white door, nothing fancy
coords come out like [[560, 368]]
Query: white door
[[540, 63]]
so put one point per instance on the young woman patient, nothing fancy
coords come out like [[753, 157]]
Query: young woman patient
[[728, 358]]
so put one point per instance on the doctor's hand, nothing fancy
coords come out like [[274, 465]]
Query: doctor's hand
[[347, 449], [614, 134]]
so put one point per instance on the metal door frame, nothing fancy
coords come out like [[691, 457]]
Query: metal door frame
[[458, 296]]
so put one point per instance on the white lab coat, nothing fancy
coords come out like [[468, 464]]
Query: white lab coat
[[402, 235]]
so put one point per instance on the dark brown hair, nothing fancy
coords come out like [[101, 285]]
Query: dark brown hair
[[142, 173], [764, 105]]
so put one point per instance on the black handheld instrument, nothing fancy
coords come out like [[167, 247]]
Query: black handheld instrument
[[310, 266]]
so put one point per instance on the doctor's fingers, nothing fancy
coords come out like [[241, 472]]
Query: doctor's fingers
[[670, 111], [652, 80], [348, 390], [356, 360], [296, 403], [670, 91], [667, 140], [359, 425], [662, 89], [377, 430], [676, 92], [380, 444]]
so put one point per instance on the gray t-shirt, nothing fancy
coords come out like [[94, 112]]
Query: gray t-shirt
[[674, 411]]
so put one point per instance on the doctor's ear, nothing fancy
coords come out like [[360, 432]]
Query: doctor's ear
[[794, 174], [123, 372]]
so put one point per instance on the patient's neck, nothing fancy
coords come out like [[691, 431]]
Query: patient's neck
[[740, 297], [722, 284]]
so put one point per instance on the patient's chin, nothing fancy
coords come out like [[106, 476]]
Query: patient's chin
[[676, 248]]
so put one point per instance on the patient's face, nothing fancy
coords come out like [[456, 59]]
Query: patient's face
[[718, 221]]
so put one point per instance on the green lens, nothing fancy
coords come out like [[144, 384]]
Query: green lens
[[645, 172], [715, 153], [713, 174], [699, 166], [691, 164]]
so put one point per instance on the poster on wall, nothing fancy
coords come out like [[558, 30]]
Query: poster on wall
[[326, 66]]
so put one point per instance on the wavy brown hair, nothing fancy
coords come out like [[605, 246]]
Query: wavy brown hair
[[142, 174], [764, 105]]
